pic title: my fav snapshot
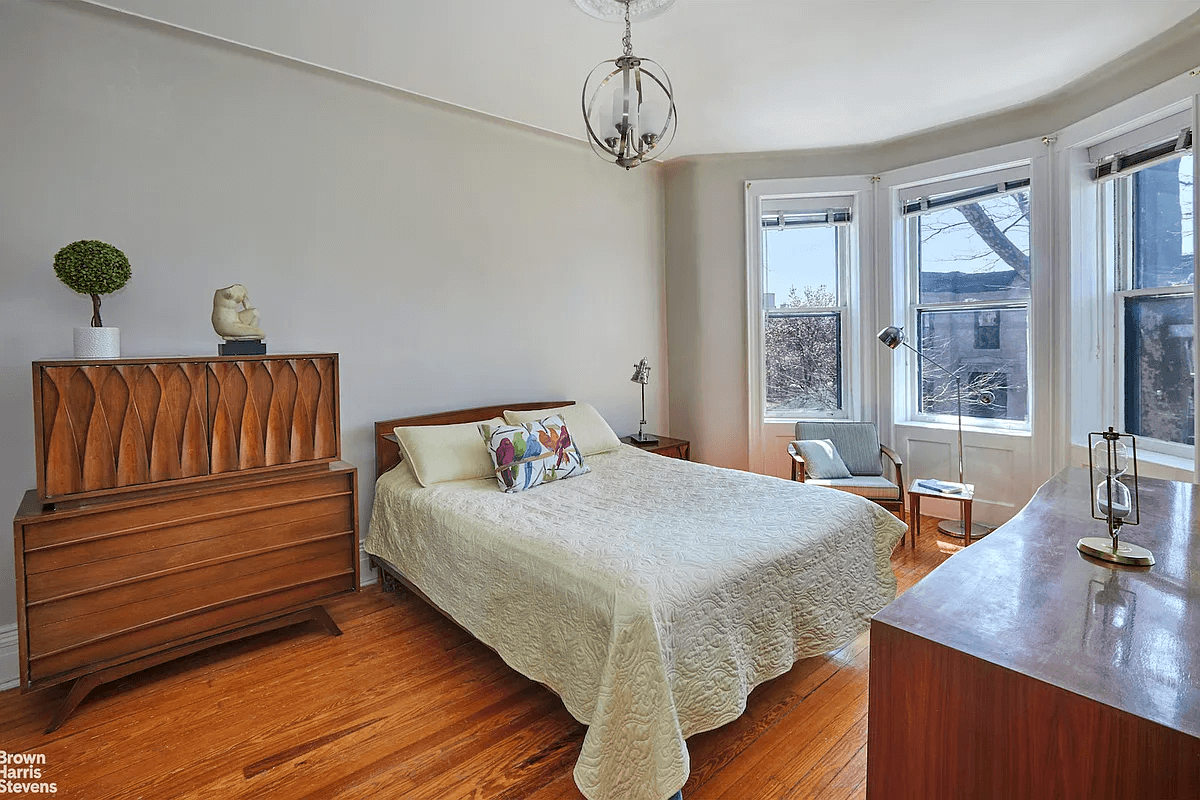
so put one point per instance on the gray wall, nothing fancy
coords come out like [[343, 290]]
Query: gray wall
[[452, 260]]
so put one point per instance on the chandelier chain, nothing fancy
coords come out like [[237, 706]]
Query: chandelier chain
[[628, 36]]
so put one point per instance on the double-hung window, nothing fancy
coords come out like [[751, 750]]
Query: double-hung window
[[1146, 207], [967, 252], [805, 260]]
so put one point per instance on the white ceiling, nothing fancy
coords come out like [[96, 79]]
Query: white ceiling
[[749, 75]]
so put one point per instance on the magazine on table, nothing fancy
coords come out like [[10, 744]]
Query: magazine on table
[[945, 487]]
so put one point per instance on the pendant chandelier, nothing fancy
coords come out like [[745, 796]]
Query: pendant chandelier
[[628, 103]]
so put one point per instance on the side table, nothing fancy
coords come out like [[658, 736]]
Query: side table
[[916, 492], [665, 446]]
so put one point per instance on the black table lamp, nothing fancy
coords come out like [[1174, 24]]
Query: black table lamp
[[641, 374]]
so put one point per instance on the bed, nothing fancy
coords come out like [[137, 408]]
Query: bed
[[651, 594]]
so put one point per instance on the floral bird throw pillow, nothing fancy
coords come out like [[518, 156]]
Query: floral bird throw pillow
[[532, 453]]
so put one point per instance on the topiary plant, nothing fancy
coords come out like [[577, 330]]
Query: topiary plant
[[92, 267]]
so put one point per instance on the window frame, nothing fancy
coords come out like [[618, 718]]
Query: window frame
[[1114, 196], [908, 226], [858, 380]]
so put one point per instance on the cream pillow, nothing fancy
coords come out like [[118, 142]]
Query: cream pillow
[[589, 430], [440, 453], [822, 461]]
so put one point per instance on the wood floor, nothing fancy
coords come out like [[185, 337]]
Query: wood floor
[[404, 705]]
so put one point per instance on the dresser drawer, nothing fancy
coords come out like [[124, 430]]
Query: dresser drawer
[[68, 622], [94, 653], [107, 581], [104, 529]]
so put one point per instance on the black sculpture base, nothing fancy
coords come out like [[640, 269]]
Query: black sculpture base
[[242, 347]]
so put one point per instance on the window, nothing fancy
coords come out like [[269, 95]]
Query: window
[[967, 250], [805, 254], [987, 330], [1146, 208]]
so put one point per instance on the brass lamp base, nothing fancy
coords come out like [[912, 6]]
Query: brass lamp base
[[1101, 547], [954, 528]]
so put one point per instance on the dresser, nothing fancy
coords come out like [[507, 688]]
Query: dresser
[[1021, 668], [181, 503]]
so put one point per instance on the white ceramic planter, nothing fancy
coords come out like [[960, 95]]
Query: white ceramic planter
[[97, 343]]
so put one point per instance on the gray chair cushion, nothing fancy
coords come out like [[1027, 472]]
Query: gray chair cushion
[[871, 487], [821, 459], [856, 442]]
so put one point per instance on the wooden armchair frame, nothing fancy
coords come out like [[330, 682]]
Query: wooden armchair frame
[[884, 451]]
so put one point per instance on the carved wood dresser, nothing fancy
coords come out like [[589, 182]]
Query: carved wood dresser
[[181, 503]]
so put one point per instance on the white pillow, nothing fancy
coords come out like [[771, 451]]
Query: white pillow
[[440, 453], [589, 430], [821, 459]]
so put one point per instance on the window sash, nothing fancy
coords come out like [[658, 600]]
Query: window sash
[[839, 389], [1121, 359], [921, 366], [843, 243]]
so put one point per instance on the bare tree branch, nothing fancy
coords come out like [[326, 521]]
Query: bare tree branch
[[1000, 244]]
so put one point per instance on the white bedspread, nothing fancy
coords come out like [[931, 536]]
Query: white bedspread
[[652, 594]]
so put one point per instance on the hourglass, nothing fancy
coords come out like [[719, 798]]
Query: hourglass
[[1114, 498]]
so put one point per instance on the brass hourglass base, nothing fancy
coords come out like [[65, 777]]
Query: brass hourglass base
[[1101, 547]]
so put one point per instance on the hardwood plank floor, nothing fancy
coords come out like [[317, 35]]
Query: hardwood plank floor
[[405, 705]]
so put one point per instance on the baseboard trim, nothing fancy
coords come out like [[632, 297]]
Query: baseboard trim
[[367, 574], [10, 658]]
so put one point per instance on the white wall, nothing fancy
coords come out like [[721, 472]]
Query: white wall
[[450, 259], [706, 249]]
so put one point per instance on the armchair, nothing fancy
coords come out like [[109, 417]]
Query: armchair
[[859, 446]]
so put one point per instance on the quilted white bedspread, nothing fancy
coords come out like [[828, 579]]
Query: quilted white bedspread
[[652, 594]]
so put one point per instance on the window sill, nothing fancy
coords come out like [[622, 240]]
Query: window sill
[[1151, 463], [1166, 460], [967, 428]]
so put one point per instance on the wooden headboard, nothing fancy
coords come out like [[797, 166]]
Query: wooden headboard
[[387, 448]]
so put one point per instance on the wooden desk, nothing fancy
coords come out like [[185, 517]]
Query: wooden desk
[[1021, 669]]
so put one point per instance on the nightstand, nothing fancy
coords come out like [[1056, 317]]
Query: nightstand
[[665, 446]]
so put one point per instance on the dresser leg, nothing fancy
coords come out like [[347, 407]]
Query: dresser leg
[[319, 614], [81, 689], [84, 685]]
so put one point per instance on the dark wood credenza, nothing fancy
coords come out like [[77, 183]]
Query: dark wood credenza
[[1021, 669], [181, 503]]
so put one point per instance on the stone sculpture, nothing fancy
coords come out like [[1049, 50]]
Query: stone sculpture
[[231, 322]]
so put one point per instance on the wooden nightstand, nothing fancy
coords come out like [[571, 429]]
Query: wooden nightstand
[[665, 446]]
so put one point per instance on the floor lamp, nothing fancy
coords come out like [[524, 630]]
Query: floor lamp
[[893, 337]]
